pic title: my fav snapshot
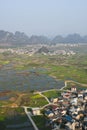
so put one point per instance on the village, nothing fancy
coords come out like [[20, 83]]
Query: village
[[67, 112], [41, 49]]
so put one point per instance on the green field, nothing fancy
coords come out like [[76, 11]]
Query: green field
[[52, 94], [11, 116], [40, 121], [62, 67], [34, 100]]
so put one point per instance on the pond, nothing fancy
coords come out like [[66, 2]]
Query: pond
[[31, 79]]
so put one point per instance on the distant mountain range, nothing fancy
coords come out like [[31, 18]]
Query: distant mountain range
[[20, 38]]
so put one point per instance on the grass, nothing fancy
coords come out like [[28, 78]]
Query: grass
[[68, 67], [12, 116], [37, 101], [62, 67], [19, 119], [4, 62], [68, 72], [40, 122], [52, 94], [33, 100]]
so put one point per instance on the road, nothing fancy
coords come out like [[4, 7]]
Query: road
[[28, 114], [40, 93]]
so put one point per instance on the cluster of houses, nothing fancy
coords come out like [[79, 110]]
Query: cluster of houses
[[32, 49], [68, 112]]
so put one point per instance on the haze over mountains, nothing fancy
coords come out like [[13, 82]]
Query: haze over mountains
[[20, 38]]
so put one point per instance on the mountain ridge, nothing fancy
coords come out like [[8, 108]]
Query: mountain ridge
[[20, 38]]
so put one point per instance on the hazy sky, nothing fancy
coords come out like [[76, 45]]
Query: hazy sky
[[44, 17]]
